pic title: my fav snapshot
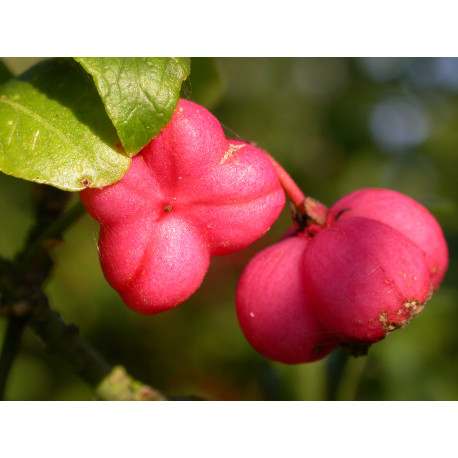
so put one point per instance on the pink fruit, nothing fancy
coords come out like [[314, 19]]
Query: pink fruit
[[188, 195], [375, 265], [272, 306], [364, 279], [368, 271]]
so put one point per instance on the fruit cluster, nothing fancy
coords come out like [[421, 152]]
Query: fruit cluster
[[350, 275], [367, 270]]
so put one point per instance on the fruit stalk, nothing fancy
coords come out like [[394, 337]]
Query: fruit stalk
[[306, 210], [290, 187]]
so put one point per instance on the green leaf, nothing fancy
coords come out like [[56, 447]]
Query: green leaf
[[140, 93], [5, 74], [54, 129]]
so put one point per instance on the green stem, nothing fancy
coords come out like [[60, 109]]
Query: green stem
[[10, 348], [344, 375], [335, 368], [349, 386]]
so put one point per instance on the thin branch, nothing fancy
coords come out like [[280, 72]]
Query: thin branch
[[17, 280], [64, 340], [51, 233], [25, 303], [10, 348]]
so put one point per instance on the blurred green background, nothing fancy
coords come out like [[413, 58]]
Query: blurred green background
[[336, 125]]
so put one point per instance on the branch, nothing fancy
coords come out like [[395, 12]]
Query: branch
[[31, 268], [24, 302], [64, 340], [10, 348], [50, 235]]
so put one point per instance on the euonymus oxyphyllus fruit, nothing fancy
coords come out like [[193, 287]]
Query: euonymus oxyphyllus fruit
[[364, 273], [188, 195]]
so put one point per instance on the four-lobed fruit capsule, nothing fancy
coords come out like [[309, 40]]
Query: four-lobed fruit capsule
[[188, 195]]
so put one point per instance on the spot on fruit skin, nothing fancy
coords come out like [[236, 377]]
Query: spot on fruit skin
[[388, 326], [86, 182], [413, 307], [232, 149]]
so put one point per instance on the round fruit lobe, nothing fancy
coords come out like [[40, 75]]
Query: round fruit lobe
[[273, 309], [364, 279]]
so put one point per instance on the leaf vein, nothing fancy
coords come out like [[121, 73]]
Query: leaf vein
[[39, 119]]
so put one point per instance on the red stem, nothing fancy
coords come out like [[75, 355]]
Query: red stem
[[291, 189], [314, 211]]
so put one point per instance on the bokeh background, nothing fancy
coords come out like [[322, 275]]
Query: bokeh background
[[336, 125]]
